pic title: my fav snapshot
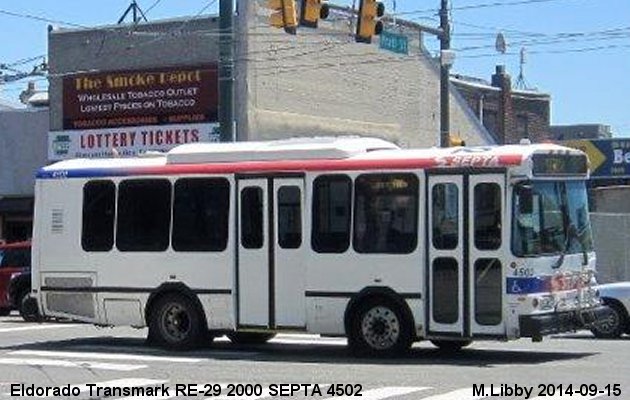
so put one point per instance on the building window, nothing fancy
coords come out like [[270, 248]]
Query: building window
[[522, 128], [97, 232], [144, 215], [331, 213], [200, 214], [490, 121], [386, 213]]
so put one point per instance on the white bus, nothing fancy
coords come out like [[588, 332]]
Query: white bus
[[346, 237]]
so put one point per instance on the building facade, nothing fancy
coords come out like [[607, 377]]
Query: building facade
[[125, 89], [508, 114]]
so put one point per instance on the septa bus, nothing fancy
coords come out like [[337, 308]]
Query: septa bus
[[344, 236]]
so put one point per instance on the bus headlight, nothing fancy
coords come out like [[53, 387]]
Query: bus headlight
[[543, 302]]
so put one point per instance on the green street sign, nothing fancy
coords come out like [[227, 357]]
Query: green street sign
[[394, 42]]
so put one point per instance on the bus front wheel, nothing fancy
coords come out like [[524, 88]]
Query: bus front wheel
[[175, 322], [379, 328]]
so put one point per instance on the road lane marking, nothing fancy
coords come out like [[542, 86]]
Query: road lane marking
[[383, 393], [39, 327], [461, 394], [130, 382], [104, 356], [45, 362]]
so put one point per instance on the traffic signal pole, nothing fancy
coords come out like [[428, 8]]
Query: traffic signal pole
[[445, 45], [226, 70]]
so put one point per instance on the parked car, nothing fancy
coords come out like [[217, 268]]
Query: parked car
[[20, 296], [617, 297], [15, 259]]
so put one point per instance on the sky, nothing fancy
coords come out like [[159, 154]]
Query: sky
[[578, 51]]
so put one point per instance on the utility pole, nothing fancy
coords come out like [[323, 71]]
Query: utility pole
[[134, 8], [226, 70], [445, 64]]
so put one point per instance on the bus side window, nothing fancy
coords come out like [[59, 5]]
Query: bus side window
[[200, 214], [252, 218], [331, 214], [97, 232], [386, 213], [487, 217], [144, 215], [289, 217], [445, 200]]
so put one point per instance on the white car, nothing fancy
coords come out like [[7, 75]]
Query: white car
[[617, 297]]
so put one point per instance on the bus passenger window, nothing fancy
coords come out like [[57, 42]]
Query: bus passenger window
[[289, 217], [252, 218], [200, 214], [386, 213], [144, 215], [487, 219], [445, 203], [98, 216], [331, 214]]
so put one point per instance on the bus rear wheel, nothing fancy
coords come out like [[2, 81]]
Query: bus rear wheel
[[250, 337], [379, 328], [28, 307], [175, 322]]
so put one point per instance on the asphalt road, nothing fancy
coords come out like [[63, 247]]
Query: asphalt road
[[74, 356]]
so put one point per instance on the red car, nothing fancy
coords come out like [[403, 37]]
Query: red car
[[15, 259]]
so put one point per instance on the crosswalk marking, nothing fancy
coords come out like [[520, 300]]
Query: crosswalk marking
[[45, 362], [460, 394], [136, 382], [103, 356], [383, 393]]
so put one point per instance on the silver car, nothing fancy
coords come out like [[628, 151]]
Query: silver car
[[617, 297]]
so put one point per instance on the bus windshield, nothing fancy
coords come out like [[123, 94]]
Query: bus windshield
[[551, 217]]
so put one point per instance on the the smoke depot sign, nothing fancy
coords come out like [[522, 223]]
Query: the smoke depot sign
[[608, 158], [148, 97], [124, 113], [126, 141]]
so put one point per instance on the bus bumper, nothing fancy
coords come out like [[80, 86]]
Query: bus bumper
[[536, 326]]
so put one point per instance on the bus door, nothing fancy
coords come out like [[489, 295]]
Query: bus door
[[270, 271], [466, 240], [488, 245], [445, 255]]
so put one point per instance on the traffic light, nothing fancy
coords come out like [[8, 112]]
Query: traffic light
[[368, 24], [283, 15], [312, 11], [455, 141]]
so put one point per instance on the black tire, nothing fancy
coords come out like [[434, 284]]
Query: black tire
[[175, 323], [613, 326], [379, 328], [250, 337], [4, 312], [451, 346], [28, 308]]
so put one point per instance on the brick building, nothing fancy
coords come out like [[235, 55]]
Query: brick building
[[509, 115]]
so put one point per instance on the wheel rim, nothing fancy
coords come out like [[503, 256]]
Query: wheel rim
[[380, 328], [610, 324], [175, 322]]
